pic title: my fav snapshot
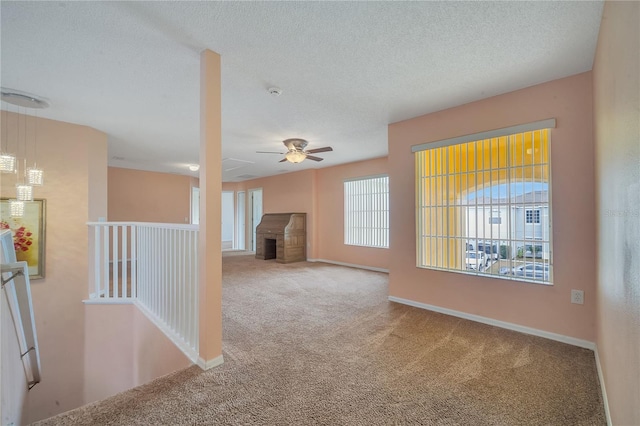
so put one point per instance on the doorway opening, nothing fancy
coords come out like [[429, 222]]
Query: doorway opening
[[227, 220], [240, 221], [255, 209], [195, 206]]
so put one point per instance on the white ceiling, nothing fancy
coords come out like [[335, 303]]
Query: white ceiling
[[346, 69]]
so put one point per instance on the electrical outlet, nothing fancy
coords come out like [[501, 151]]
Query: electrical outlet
[[577, 296]]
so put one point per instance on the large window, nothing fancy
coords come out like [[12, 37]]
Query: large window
[[484, 205], [366, 212]]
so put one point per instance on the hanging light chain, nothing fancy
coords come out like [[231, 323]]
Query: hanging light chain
[[7, 160], [35, 175]]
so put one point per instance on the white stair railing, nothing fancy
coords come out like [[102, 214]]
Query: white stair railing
[[155, 266], [17, 288]]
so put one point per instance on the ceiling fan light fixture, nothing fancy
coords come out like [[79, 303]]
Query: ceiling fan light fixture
[[295, 156]]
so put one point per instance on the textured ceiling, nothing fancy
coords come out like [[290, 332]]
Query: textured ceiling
[[346, 69]]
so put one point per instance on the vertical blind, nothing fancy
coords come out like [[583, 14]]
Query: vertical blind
[[366, 212]]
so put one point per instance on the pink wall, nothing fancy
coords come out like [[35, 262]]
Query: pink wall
[[154, 355], [547, 308], [290, 193], [108, 350], [123, 350], [330, 217], [320, 194], [141, 196], [233, 186], [75, 191], [616, 75]]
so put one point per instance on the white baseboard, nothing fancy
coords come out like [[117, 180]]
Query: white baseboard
[[502, 324], [605, 401], [206, 365], [107, 301], [350, 265]]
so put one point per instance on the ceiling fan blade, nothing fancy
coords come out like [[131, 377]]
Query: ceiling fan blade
[[324, 149], [282, 161], [311, 157], [269, 152]]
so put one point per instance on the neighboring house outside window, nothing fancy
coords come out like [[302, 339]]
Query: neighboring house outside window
[[366, 211], [532, 216], [484, 205]]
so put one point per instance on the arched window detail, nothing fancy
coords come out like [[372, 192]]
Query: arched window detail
[[484, 206]]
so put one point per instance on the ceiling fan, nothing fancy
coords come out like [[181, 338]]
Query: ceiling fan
[[296, 151]]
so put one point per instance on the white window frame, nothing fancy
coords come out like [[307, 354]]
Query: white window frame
[[366, 211], [532, 216], [426, 240]]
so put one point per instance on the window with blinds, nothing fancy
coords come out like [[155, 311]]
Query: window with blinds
[[484, 204], [366, 212]]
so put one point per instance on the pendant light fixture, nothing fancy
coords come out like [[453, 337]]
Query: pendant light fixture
[[7, 163], [27, 177], [24, 192], [35, 176], [16, 208]]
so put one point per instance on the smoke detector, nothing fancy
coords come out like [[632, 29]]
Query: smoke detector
[[275, 91]]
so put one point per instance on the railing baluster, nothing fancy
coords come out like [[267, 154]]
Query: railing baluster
[[154, 269], [145, 255], [139, 263], [165, 278], [183, 283], [167, 272], [96, 262], [147, 267], [160, 265], [114, 262], [174, 280], [194, 281], [194, 285], [152, 272], [191, 290], [134, 261], [155, 265], [105, 263], [188, 279], [125, 262], [143, 249]]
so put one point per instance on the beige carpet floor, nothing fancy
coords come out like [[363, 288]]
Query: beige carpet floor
[[316, 344]]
